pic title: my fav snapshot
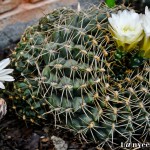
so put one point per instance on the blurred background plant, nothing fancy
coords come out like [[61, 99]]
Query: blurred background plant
[[138, 5], [4, 76]]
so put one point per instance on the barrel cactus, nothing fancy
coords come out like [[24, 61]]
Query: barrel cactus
[[70, 66]]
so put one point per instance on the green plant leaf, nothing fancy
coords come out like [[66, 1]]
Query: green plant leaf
[[110, 3]]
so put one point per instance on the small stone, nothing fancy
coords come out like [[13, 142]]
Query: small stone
[[3, 108], [59, 143]]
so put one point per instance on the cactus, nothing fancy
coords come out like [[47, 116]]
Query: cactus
[[68, 66]]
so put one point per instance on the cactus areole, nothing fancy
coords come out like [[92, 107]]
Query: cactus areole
[[71, 66]]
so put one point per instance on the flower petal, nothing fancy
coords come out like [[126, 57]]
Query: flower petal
[[2, 85], [126, 28], [6, 71], [146, 21], [145, 43], [4, 63], [6, 78]]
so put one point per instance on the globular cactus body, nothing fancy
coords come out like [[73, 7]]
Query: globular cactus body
[[68, 66]]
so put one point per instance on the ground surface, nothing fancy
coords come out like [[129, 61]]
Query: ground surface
[[16, 135]]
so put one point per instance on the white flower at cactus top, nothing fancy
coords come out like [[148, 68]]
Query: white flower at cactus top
[[146, 22], [145, 46], [126, 28], [4, 72]]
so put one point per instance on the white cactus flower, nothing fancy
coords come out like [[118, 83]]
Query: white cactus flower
[[146, 22], [145, 46], [126, 28], [4, 72]]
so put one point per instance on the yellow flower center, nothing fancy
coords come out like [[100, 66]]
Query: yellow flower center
[[128, 29]]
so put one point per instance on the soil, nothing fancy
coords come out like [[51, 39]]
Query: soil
[[16, 135]]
